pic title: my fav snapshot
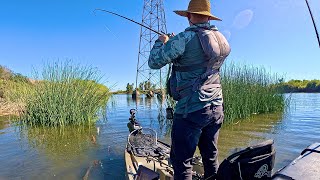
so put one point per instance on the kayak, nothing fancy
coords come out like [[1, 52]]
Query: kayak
[[146, 157], [306, 166]]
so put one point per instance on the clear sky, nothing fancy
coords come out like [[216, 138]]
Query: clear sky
[[277, 34]]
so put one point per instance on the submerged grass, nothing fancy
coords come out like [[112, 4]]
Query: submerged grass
[[249, 90], [63, 94]]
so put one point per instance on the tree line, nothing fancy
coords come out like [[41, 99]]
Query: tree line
[[143, 86], [293, 86]]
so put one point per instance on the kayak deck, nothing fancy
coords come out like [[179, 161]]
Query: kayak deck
[[306, 166], [144, 151], [158, 164]]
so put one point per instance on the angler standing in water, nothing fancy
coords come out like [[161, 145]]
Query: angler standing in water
[[197, 55]]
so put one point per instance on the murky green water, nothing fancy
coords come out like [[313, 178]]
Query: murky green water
[[52, 153]]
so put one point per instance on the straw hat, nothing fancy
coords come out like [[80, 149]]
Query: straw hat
[[201, 7]]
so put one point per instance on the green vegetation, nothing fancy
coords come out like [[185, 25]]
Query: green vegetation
[[119, 92], [7, 80], [143, 88], [63, 94], [249, 90], [5, 73], [293, 86], [8, 75], [129, 88], [66, 95]]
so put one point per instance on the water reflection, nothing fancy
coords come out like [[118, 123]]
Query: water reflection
[[148, 102], [61, 144], [4, 123], [138, 101], [164, 124], [246, 133]]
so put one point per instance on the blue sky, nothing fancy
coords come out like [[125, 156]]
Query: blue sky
[[275, 34]]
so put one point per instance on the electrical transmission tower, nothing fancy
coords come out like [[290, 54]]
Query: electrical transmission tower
[[154, 17]]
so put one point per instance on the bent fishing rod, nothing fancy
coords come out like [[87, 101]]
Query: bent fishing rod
[[314, 24], [159, 33]]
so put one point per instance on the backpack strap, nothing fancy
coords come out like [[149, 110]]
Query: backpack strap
[[191, 67]]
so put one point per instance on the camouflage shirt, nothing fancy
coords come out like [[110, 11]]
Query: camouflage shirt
[[183, 49]]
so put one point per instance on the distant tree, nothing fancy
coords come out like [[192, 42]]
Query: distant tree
[[299, 86], [313, 86], [129, 88]]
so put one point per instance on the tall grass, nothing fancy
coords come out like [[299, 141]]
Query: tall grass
[[65, 94], [249, 90]]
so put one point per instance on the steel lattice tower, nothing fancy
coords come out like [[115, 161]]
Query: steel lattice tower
[[154, 17]]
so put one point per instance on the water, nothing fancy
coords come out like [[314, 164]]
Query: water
[[52, 153]]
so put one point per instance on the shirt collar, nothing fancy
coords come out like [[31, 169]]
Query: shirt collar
[[204, 25]]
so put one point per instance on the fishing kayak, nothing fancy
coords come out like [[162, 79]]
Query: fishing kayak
[[146, 157], [306, 166]]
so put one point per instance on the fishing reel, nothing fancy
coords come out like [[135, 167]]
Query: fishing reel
[[133, 123], [132, 115]]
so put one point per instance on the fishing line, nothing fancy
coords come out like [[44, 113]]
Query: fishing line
[[111, 32]]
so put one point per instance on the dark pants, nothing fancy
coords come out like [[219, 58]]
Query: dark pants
[[199, 128]]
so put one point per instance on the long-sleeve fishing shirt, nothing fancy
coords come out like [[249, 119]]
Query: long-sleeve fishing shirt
[[183, 49]]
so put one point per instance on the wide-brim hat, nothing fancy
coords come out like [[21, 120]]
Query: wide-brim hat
[[201, 7]]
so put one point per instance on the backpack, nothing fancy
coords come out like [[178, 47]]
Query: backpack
[[207, 83], [255, 162]]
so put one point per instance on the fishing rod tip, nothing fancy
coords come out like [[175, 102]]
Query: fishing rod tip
[[95, 11]]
